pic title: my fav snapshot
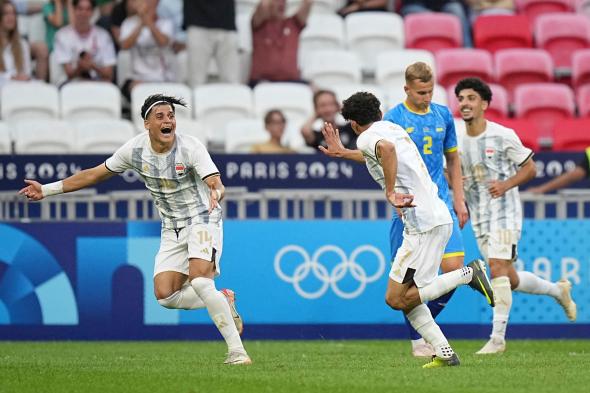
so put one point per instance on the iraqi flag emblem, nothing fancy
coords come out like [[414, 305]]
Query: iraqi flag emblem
[[490, 152], [179, 168]]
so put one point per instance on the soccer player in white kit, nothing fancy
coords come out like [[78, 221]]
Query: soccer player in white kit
[[394, 162], [495, 163], [186, 187]]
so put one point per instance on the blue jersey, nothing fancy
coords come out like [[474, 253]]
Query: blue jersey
[[434, 134]]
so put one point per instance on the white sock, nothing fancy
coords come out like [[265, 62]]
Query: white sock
[[185, 299], [503, 299], [445, 283], [531, 283], [218, 311], [421, 319]]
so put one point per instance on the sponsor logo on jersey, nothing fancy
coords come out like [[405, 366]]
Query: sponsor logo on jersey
[[440, 129], [409, 130]]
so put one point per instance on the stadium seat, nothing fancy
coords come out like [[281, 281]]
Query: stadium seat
[[583, 101], [583, 7], [561, 35], [532, 9], [246, 7], [515, 67], [101, 136], [527, 131], [143, 90], [29, 100], [325, 68], [241, 134], [90, 100], [497, 110], [544, 103], [581, 68], [219, 103], [323, 31], [455, 64], [194, 128], [123, 67], [572, 135], [392, 64], [44, 136], [433, 31], [395, 95], [57, 74], [295, 100], [369, 33], [5, 139], [346, 90], [495, 32]]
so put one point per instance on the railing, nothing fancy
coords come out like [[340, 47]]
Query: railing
[[87, 205]]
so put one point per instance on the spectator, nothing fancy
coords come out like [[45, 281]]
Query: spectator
[[211, 32], [580, 172], [149, 39], [275, 41], [15, 63], [26, 7], [56, 15], [327, 110], [84, 50], [363, 5], [121, 11], [454, 7], [172, 9], [274, 123], [490, 7]]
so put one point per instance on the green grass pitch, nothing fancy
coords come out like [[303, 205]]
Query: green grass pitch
[[288, 366]]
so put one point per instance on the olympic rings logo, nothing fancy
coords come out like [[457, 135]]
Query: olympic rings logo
[[329, 279]]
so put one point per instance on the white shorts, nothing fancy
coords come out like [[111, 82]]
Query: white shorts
[[500, 244], [203, 241], [422, 252]]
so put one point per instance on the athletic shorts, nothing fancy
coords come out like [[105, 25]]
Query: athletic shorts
[[453, 248], [423, 253], [203, 241], [500, 244]]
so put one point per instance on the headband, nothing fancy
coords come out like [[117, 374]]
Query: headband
[[152, 106]]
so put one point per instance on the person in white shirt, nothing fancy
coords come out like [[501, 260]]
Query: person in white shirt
[[495, 163], [394, 162], [149, 39], [15, 62], [84, 50], [186, 187]]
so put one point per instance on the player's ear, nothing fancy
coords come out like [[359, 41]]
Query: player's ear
[[146, 124]]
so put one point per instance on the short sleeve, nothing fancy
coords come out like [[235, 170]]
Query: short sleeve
[[450, 141], [367, 143], [515, 150], [120, 161], [127, 28], [201, 161]]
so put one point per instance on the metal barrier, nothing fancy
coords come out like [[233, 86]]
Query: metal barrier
[[87, 205]]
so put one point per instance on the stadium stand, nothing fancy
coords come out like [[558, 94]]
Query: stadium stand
[[101, 136], [496, 32], [583, 101], [515, 67], [323, 31], [241, 134], [77, 103], [246, 7], [532, 9], [433, 31], [328, 67], [527, 131], [455, 64], [391, 65], [561, 34], [194, 128], [498, 109], [29, 100], [44, 136], [294, 99], [346, 90], [5, 139], [580, 68], [318, 7], [572, 135]]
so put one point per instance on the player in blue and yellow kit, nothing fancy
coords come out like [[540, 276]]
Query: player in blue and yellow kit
[[432, 129]]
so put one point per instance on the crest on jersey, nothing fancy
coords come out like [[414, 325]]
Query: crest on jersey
[[490, 152], [180, 169]]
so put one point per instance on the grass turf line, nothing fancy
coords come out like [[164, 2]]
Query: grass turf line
[[288, 366]]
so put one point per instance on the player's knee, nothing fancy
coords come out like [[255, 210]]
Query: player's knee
[[163, 292], [394, 302]]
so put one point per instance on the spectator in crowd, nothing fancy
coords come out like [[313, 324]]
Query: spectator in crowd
[[26, 7], [15, 63], [580, 172], [455, 7], [363, 5], [327, 110], [490, 7], [275, 123], [211, 32], [37, 45], [56, 15], [84, 50], [172, 9], [275, 41], [120, 12], [149, 38]]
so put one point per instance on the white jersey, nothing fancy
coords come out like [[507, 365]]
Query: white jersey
[[495, 154], [412, 176], [175, 178]]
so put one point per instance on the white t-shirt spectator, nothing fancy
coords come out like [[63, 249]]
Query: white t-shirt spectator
[[10, 65]]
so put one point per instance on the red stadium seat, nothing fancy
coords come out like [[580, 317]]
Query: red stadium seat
[[519, 66], [526, 130], [561, 35], [581, 68], [532, 9], [433, 31], [498, 109], [544, 103], [495, 32], [583, 101], [572, 135], [455, 64]]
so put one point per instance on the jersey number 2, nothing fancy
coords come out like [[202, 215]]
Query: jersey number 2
[[427, 144]]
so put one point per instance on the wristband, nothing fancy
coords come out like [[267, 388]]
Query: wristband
[[52, 188]]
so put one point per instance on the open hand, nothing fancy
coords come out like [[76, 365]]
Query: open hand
[[32, 191]]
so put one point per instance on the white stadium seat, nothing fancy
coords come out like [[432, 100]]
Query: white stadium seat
[[295, 100], [57, 74], [332, 66], [44, 136], [194, 128], [29, 100], [90, 100], [123, 67], [344, 91], [323, 31], [102, 136], [317, 7], [392, 64], [5, 139], [241, 134], [143, 90], [217, 104]]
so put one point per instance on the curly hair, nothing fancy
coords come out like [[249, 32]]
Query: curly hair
[[362, 107], [479, 86], [160, 99]]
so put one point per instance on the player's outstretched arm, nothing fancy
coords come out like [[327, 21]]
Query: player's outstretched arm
[[527, 172], [36, 191], [217, 191], [335, 146], [386, 152], [560, 181]]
